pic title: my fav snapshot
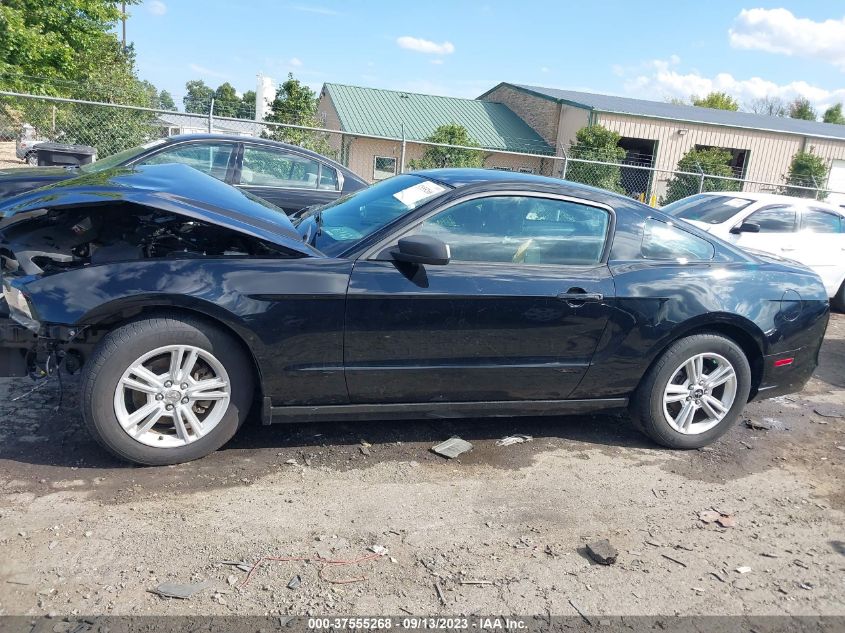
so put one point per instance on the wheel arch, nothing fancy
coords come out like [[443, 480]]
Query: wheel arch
[[741, 331], [114, 314]]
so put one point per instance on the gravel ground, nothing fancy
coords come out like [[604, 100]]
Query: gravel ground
[[83, 534]]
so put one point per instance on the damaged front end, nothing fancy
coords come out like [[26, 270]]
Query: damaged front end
[[54, 240]]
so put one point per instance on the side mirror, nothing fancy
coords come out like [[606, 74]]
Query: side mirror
[[746, 227], [421, 249]]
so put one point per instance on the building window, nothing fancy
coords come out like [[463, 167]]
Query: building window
[[383, 167]]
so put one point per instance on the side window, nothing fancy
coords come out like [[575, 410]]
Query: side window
[[328, 178], [209, 158], [521, 230], [663, 240], [819, 221], [774, 219], [266, 167]]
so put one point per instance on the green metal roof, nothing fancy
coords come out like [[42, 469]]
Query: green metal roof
[[382, 112]]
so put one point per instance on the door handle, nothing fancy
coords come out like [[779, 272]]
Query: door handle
[[577, 297]]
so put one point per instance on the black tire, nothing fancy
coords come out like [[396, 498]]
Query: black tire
[[123, 346], [647, 403], [838, 300]]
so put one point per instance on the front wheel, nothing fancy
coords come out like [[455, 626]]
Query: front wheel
[[166, 390], [694, 393]]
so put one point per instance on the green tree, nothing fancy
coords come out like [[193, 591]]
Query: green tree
[[806, 170], [69, 48], [800, 108], [56, 40], [709, 169], [246, 110], [226, 100], [197, 97], [296, 104], [165, 101], [716, 100], [597, 143], [449, 134], [834, 115]]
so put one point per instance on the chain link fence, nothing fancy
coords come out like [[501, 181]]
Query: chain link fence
[[26, 120]]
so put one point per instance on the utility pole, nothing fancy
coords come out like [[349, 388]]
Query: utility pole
[[123, 19]]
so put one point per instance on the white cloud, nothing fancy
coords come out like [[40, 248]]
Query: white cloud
[[156, 7], [307, 8], [425, 46], [295, 62], [780, 31], [208, 72], [662, 79], [437, 62]]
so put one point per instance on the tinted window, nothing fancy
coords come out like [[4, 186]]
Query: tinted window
[[706, 208], [265, 167], [818, 221], [521, 230], [209, 158], [662, 240], [774, 220]]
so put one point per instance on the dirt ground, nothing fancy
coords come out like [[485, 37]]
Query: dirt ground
[[7, 156], [83, 534]]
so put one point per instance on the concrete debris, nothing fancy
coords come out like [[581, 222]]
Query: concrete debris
[[743, 570], [758, 425], [364, 450], [514, 439], [378, 549], [232, 579], [239, 564], [452, 447], [181, 591], [721, 519], [827, 411], [602, 552], [580, 612], [294, 582]]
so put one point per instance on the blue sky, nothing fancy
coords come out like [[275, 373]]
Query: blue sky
[[644, 49]]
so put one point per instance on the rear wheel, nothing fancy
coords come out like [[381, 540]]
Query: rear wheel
[[694, 393], [166, 390]]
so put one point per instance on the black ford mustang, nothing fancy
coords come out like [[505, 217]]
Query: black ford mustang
[[446, 292]]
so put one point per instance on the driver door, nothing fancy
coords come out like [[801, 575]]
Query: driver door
[[515, 315]]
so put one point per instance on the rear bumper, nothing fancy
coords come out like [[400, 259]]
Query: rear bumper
[[780, 379]]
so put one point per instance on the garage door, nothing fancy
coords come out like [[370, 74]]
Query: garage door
[[836, 182]]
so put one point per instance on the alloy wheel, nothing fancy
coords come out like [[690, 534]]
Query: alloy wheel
[[700, 393], [172, 396]]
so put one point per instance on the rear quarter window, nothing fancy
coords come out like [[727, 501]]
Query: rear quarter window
[[667, 241]]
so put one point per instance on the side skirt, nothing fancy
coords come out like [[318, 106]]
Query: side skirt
[[436, 410]]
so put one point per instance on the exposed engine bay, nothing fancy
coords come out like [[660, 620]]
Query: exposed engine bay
[[49, 241]]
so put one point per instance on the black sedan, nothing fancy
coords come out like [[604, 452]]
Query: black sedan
[[290, 177], [439, 293]]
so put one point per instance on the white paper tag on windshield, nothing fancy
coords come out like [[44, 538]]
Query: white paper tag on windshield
[[412, 196], [736, 202]]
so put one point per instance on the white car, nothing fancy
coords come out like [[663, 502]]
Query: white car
[[801, 229]]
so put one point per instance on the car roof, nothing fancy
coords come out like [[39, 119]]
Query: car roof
[[772, 198], [180, 138]]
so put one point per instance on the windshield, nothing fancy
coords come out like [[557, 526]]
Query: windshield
[[706, 208], [335, 227], [118, 159]]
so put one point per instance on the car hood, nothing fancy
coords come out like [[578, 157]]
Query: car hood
[[17, 180], [175, 188]]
